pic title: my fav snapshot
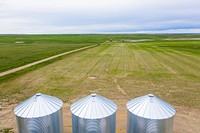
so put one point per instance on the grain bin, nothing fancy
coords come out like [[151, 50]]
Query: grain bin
[[40, 114], [94, 114], [149, 114]]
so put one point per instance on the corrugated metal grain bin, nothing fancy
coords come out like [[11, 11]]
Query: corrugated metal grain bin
[[94, 114], [149, 114], [40, 114]]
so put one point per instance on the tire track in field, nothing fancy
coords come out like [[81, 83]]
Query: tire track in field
[[83, 62], [121, 65], [190, 61], [109, 61], [102, 57], [153, 63], [187, 66], [169, 68], [78, 65], [161, 63], [119, 88], [116, 59], [187, 59], [104, 66], [120, 58], [171, 64], [166, 61], [193, 57], [91, 65], [97, 62], [77, 72], [71, 64], [132, 51], [96, 69], [82, 68], [160, 55], [127, 59], [187, 63], [140, 56]]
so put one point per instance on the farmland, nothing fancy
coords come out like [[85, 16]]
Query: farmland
[[18, 50], [119, 70]]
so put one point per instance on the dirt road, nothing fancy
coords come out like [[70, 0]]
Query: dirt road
[[43, 60]]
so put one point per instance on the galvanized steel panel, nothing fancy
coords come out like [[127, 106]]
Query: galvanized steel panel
[[40, 114], [103, 125], [47, 124], [37, 106], [94, 114], [149, 114], [138, 124], [150, 107], [93, 107]]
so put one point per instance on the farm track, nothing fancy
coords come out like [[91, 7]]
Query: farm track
[[41, 61]]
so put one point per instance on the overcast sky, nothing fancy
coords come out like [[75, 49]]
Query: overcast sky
[[99, 16]]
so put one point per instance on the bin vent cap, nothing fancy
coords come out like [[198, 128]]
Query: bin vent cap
[[38, 105], [93, 95], [93, 107], [150, 107]]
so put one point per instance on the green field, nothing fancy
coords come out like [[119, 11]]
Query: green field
[[118, 70], [18, 50], [165, 65]]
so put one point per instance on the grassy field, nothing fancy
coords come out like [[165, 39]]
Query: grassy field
[[170, 69], [18, 50]]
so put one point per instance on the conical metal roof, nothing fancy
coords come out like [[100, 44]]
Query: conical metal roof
[[151, 107], [38, 105], [93, 107]]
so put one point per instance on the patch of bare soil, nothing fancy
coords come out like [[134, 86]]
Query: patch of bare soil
[[92, 77], [7, 118], [186, 120], [19, 42]]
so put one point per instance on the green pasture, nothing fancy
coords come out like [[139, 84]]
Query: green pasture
[[119, 70], [18, 50]]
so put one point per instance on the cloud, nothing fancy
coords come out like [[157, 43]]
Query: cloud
[[92, 16]]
